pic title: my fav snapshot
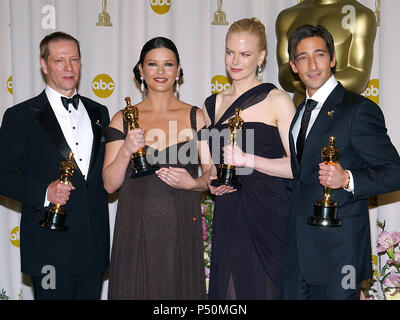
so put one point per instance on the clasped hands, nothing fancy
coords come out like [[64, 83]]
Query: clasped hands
[[173, 176]]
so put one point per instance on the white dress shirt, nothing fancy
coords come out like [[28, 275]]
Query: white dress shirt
[[76, 128], [320, 97]]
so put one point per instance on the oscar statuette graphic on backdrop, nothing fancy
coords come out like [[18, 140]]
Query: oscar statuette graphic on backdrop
[[219, 16], [104, 16]]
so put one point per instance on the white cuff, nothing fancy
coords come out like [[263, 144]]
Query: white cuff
[[46, 202], [351, 183]]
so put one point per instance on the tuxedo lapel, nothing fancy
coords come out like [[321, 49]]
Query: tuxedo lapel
[[292, 143], [94, 116], [324, 122], [46, 118]]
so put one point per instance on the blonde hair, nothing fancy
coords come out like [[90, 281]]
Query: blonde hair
[[253, 26]]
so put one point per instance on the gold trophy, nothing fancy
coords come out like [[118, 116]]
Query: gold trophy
[[140, 165], [219, 16], [104, 17], [351, 43], [226, 173], [55, 216], [325, 211]]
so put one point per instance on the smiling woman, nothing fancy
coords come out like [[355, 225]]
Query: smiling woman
[[249, 225], [160, 69], [164, 239]]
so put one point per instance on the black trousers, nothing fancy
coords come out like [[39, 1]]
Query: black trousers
[[85, 286], [295, 287]]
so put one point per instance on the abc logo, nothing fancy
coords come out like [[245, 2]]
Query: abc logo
[[372, 91], [14, 237], [103, 86], [219, 83], [160, 6], [10, 85]]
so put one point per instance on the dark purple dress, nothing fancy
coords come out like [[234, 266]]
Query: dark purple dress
[[157, 250], [249, 225]]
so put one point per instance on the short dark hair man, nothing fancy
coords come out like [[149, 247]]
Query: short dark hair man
[[36, 135], [319, 258]]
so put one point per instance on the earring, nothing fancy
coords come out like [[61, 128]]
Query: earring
[[141, 84], [177, 85], [259, 72]]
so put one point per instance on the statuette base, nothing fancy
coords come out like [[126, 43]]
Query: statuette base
[[226, 175], [325, 215], [54, 221]]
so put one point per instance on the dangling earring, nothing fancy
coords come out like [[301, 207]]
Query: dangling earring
[[141, 84], [259, 73], [177, 85]]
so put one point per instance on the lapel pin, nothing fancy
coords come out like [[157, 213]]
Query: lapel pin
[[331, 113], [98, 122]]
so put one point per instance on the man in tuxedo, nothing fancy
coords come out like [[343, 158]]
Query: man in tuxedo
[[36, 135], [330, 262]]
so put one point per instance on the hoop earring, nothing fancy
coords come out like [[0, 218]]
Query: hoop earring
[[141, 84], [259, 72]]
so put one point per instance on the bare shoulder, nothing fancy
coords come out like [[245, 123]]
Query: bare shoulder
[[280, 102], [205, 115], [184, 106], [200, 119], [279, 96], [117, 121]]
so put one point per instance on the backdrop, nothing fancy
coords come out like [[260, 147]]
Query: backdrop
[[112, 33]]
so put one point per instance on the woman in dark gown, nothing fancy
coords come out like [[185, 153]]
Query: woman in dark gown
[[157, 250], [250, 222]]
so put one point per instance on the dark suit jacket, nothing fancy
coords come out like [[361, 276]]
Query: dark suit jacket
[[366, 150], [32, 146]]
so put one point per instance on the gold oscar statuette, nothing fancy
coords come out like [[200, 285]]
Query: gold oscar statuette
[[354, 45], [141, 166], [55, 216], [325, 211], [226, 173], [104, 17], [219, 16]]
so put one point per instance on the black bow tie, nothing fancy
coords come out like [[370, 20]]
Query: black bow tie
[[74, 101]]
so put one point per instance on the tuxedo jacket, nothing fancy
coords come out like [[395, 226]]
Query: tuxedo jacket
[[32, 146], [326, 254]]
